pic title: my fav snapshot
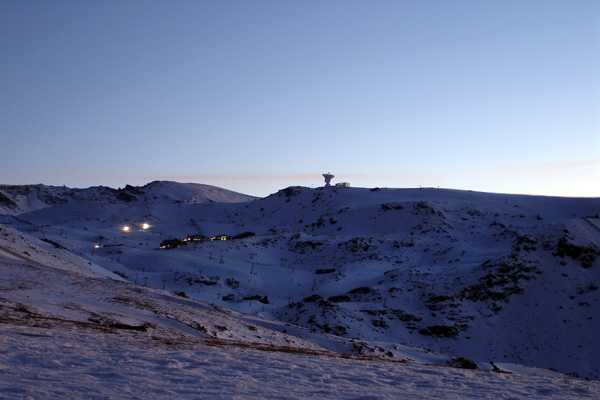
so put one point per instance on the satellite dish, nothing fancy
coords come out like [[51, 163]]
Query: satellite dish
[[328, 177]]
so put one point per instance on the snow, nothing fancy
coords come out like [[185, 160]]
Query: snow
[[50, 349], [69, 363], [491, 277], [15, 200]]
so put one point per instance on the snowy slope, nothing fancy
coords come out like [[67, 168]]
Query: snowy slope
[[71, 330], [507, 278], [17, 199]]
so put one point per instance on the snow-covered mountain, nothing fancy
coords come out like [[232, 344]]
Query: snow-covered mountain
[[369, 272], [69, 328], [17, 199]]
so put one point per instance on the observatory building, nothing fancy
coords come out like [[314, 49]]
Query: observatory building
[[328, 177]]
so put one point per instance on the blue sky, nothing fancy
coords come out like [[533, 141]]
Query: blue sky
[[255, 96]]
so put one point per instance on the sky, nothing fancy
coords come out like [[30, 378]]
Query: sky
[[254, 96]]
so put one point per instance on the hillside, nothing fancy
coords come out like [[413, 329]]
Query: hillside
[[490, 277], [70, 329]]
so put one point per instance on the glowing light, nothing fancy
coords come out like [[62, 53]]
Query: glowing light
[[145, 226], [126, 228], [96, 246]]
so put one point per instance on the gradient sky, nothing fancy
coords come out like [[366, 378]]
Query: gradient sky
[[255, 96]]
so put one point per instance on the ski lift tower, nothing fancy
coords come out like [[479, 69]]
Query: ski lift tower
[[328, 177]]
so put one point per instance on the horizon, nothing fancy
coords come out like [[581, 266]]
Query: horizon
[[420, 187], [499, 97]]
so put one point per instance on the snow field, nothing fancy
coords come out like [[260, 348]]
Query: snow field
[[63, 362]]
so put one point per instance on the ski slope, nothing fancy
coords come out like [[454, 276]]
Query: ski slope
[[70, 331], [408, 276]]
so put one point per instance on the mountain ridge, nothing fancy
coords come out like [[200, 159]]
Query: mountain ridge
[[19, 199]]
